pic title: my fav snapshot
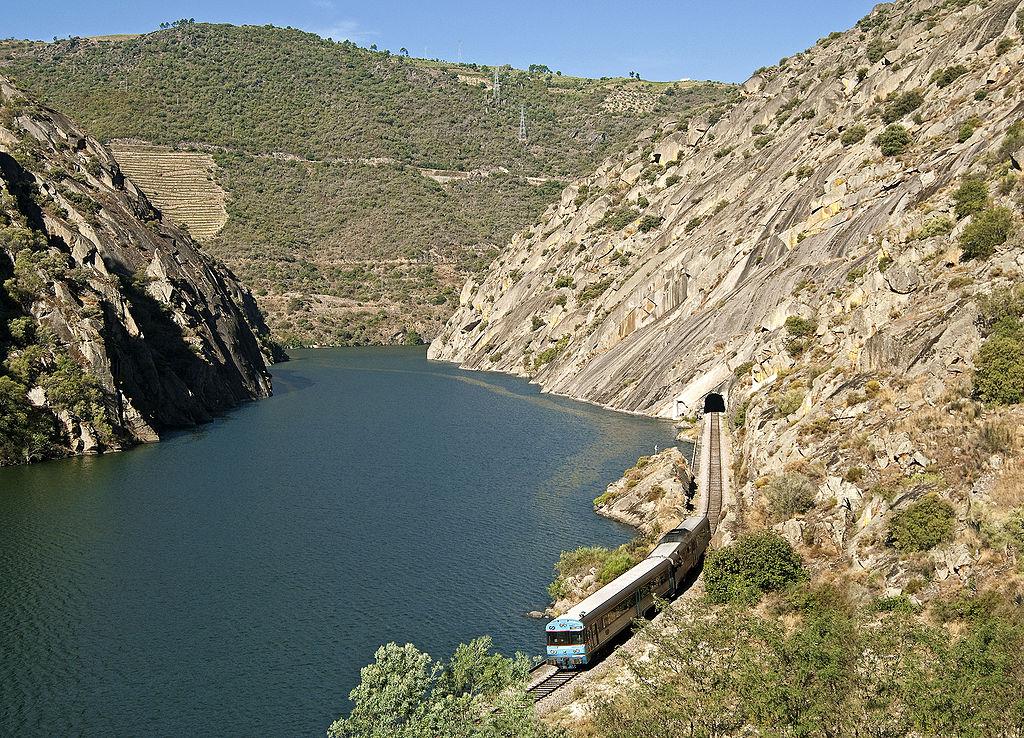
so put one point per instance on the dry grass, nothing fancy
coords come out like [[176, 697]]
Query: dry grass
[[1008, 490]]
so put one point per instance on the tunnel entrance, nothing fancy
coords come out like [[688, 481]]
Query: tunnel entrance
[[714, 403]]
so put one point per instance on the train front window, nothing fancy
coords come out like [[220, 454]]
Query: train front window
[[565, 638]]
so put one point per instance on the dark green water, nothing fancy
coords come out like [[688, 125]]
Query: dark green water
[[233, 580]]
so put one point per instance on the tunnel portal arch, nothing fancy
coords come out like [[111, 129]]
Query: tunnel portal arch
[[714, 403]]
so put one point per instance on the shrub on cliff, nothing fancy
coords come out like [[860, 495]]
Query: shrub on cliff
[[971, 197], [790, 494], [901, 105], [853, 135], [999, 366], [756, 563], [650, 222], [923, 524], [989, 230], [894, 140], [945, 77], [799, 327]]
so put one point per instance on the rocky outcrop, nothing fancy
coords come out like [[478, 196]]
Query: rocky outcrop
[[116, 325], [653, 496]]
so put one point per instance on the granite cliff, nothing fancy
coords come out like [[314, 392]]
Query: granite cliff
[[115, 325], [833, 254]]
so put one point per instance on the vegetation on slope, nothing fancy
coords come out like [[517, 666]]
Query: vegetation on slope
[[813, 663], [253, 92]]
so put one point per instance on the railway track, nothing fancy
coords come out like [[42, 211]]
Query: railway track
[[550, 684], [712, 507], [714, 490]]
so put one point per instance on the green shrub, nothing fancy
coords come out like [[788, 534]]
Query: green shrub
[[971, 197], [923, 524], [853, 135], [945, 77], [1004, 45], [740, 418], [937, 226], [902, 105], [743, 369], [595, 290], [693, 224], [650, 222], [999, 366], [799, 327], [878, 48], [788, 403], [536, 323], [617, 562], [790, 494], [1014, 140], [968, 128], [672, 179], [564, 281], [617, 218], [756, 563], [988, 230], [894, 140]]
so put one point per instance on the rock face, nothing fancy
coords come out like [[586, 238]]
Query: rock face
[[653, 496], [116, 323], [651, 281]]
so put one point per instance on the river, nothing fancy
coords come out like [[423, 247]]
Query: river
[[232, 580]]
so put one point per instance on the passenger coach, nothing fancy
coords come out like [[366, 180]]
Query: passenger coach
[[575, 638]]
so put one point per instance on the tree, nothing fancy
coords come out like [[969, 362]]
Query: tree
[[404, 693]]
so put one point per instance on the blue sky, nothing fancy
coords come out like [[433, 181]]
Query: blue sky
[[699, 39]]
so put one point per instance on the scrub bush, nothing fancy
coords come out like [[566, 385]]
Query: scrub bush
[[853, 135], [902, 105], [790, 494], [894, 140], [923, 524], [971, 197], [756, 563], [989, 230]]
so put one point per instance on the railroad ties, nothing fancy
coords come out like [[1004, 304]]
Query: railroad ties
[[551, 684], [714, 477]]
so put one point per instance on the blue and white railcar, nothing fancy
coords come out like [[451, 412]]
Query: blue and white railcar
[[578, 636]]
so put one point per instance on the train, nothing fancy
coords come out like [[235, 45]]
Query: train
[[582, 634]]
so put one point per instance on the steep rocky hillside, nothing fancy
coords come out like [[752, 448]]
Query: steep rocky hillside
[[323, 149], [113, 325], [840, 253]]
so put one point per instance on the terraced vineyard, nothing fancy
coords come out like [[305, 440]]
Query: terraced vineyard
[[182, 184]]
